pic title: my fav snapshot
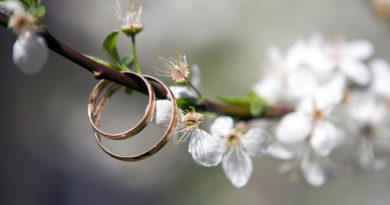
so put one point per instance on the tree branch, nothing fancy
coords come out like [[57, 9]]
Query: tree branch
[[103, 72]]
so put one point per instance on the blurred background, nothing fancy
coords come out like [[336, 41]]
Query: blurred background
[[48, 152]]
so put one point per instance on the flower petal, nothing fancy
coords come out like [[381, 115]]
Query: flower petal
[[331, 93], [325, 137], [359, 49], [182, 92], [30, 53], [255, 141], [301, 84], [269, 88], [293, 128], [296, 54], [317, 57], [366, 110], [356, 70], [305, 106], [237, 166], [312, 171], [221, 126], [205, 149], [381, 77], [162, 113], [118, 10], [274, 55], [279, 151]]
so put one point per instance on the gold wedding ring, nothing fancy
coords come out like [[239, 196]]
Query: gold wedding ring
[[94, 107], [96, 113]]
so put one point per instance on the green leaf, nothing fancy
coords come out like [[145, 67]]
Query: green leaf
[[109, 48], [128, 61], [240, 101], [128, 90], [257, 107], [186, 103], [103, 62], [257, 104], [40, 11]]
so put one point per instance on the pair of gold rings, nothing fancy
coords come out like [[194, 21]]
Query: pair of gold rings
[[96, 104]]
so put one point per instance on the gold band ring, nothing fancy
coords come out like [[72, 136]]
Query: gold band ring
[[94, 108], [155, 148]]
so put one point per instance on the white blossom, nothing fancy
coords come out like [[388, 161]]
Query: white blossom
[[202, 148], [372, 131], [312, 169], [286, 77], [344, 57], [370, 115], [236, 148], [301, 158], [310, 120]]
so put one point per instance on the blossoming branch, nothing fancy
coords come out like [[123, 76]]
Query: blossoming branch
[[319, 97]]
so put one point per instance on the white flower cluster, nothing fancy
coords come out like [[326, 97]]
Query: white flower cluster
[[340, 102], [227, 143], [230, 144]]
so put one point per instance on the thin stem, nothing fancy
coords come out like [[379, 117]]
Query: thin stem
[[201, 97], [135, 54]]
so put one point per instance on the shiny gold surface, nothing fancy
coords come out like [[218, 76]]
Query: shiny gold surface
[[96, 110]]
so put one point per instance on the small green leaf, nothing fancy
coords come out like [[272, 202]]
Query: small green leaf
[[128, 90], [103, 62], [240, 101], [40, 11], [252, 94], [109, 48], [128, 61], [186, 103], [257, 104], [253, 101], [256, 107]]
